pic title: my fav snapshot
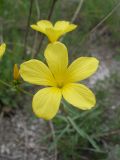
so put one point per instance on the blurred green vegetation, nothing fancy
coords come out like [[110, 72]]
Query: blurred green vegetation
[[82, 134], [101, 125]]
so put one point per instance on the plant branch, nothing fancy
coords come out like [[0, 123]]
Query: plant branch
[[110, 133], [77, 11], [36, 33], [24, 91], [105, 18], [17, 87], [5, 84], [27, 28], [100, 23], [48, 18], [51, 9]]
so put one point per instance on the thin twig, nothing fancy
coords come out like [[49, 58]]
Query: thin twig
[[1, 118], [1, 31], [77, 11], [34, 45], [51, 9], [27, 28], [17, 87], [100, 23], [39, 46], [24, 91], [5, 83], [106, 17], [36, 33], [42, 36], [107, 134], [54, 138], [37, 8]]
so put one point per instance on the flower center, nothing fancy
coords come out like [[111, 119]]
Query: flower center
[[61, 80], [60, 84]]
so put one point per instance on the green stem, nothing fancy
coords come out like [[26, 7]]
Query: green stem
[[64, 108], [24, 91], [17, 87], [6, 84]]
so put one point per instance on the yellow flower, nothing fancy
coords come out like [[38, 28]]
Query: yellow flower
[[16, 74], [60, 80], [2, 49], [53, 32]]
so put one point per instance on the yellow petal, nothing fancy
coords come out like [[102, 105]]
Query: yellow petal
[[46, 102], [64, 26], [36, 72], [2, 49], [16, 73], [42, 25], [61, 25], [52, 34], [37, 28], [82, 68], [57, 58], [71, 27], [79, 96]]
